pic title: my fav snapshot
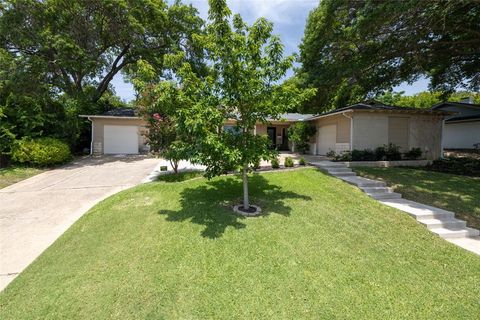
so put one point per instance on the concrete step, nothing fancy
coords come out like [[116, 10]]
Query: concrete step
[[376, 189], [343, 174], [448, 223], [418, 210], [447, 233], [363, 182], [385, 195], [328, 164], [337, 169]]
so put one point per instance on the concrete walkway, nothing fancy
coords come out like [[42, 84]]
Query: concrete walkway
[[439, 221], [36, 211]]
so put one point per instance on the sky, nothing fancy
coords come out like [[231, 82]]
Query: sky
[[288, 17]]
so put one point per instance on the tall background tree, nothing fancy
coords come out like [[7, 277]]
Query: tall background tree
[[353, 49], [245, 65], [59, 57]]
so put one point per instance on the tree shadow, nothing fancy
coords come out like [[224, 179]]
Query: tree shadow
[[211, 204]]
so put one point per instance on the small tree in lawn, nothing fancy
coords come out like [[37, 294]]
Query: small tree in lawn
[[158, 104], [300, 134], [245, 64]]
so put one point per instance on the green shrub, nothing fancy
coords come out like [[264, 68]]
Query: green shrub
[[288, 162], [41, 152], [256, 165], [392, 152], [344, 156], [300, 133], [380, 153], [413, 154], [275, 163], [302, 161], [363, 155], [331, 154], [460, 166]]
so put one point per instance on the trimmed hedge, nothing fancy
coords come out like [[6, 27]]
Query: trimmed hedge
[[460, 166], [41, 152]]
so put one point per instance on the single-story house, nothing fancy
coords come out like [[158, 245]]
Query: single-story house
[[360, 126], [118, 131], [462, 128]]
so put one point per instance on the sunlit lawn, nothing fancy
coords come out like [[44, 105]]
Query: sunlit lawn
[[459, 194], [174, 250], [13, 175]]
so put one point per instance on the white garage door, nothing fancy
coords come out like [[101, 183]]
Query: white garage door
[[327, 137], [120, 139]]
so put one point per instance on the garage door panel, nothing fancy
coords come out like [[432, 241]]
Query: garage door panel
[[327, 138], [120, 139]]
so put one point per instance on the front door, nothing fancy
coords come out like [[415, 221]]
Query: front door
[[272, 136]]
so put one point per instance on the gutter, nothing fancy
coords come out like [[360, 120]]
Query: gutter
[[91, 139]]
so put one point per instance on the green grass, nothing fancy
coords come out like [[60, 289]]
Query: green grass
[[456, 193], [323, 249], [13, 175]]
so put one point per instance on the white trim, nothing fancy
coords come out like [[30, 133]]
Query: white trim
[[107, 117], [351, 130]]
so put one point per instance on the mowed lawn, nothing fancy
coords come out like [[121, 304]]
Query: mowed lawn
[[174, 250], [13, 175], [459, 194]]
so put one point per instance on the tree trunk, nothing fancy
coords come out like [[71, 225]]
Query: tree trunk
[[246, 204], [174, 164]]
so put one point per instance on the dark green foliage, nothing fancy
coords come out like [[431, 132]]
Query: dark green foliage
[[392, 152], [41, 152], [179, 177], [363, 155], [461, 166], [77, 45], [380, 153], [355, 49], [388, 152], [275, 163], [300, 134], [302, 161], [413, 154], [288, 162], [330, 154]]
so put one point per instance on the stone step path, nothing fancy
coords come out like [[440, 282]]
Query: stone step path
[[439, 221]]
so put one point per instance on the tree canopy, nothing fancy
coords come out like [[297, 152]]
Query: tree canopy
[[355, 49], [78, 46], [245, 64]]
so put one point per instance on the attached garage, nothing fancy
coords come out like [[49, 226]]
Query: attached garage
[[120, 139], [118, 132], [327, 138]]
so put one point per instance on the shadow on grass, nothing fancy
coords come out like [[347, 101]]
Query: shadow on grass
[[211, 204], [180, 176]]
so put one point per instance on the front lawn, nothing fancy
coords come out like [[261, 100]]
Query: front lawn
[[13, 175], [174, 250], [459, 194]]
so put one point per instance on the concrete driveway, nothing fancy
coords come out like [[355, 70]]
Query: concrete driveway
[[36, 211]]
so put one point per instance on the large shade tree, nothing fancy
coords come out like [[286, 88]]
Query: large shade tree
[[78, 46], [245, 66], [355, 48]]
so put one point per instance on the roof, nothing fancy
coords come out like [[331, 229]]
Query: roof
[[471, 117], [376, 106], [116, 113], [457, 104], [292, 117]]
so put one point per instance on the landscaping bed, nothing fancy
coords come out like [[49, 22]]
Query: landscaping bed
[[175, 250], [455, 193]]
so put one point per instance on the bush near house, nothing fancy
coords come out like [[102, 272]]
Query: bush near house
[[275, 163], [288, 162], [41, 152], [460, 166], [388, 152], [302, 161]]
